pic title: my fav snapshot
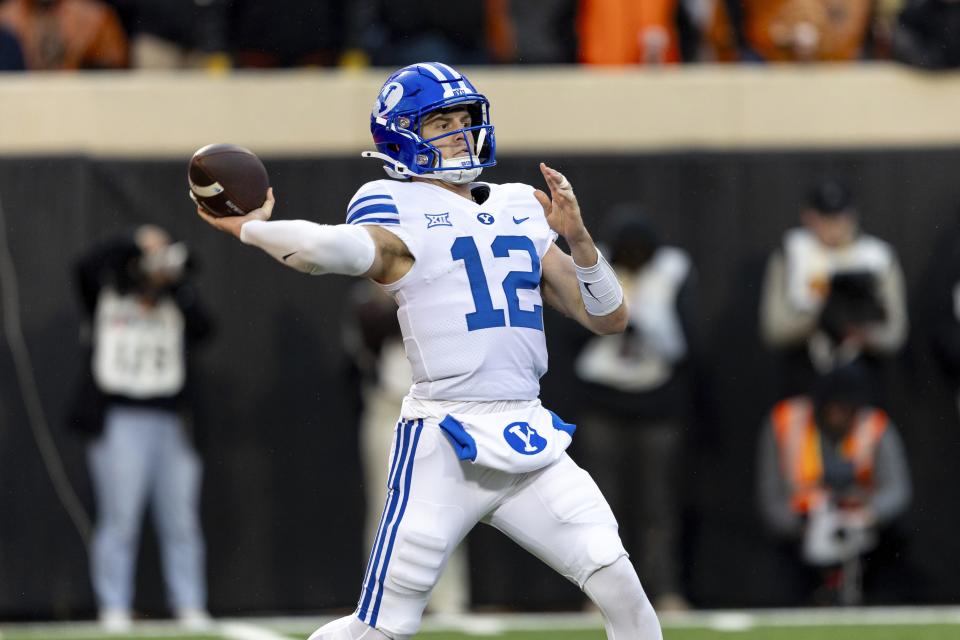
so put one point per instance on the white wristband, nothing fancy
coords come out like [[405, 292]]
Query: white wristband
[[599, 287]]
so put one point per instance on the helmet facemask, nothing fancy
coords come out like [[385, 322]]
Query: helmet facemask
[[466, 167]]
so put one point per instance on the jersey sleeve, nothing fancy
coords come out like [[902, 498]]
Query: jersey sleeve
[[376, 204], [373, 204]]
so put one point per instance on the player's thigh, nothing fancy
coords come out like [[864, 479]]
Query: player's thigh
[[430, 507], [560, 515]]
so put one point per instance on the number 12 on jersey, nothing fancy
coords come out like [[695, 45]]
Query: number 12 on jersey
[[486, 316]]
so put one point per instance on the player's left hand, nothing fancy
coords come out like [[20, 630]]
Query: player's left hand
[[560, 207], [232, 224]]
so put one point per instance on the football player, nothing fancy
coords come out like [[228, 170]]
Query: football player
[[470, 264]]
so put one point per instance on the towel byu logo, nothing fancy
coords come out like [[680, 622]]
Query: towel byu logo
[[524, 439]]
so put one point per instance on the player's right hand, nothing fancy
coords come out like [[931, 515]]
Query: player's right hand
[[232, 224]]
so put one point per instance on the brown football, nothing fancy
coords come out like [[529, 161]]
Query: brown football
[[227, 180]]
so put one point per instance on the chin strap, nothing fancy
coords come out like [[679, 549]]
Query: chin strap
[[397, 169]]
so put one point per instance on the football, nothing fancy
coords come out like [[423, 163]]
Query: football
[[227, 180]]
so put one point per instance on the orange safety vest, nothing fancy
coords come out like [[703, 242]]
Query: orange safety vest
[[609, 30], [798, 440]]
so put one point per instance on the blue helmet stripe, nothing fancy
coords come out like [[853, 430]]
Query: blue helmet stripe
[[396, 526], [446, 69], [454, 74], [380, 207], [435, 71]]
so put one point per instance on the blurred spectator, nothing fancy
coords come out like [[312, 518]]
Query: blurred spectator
[[831, 294], [372, 337], [135, 403], [391, 34], [640, 388], [289, 33], [11, 57], [832, 477], [792, 30], [621, 32], [927, 34], [66, 34], [695, 21], [886, 13], [174, 34]]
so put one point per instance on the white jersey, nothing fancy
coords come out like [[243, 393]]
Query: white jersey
[[470, 308], [138, 350]]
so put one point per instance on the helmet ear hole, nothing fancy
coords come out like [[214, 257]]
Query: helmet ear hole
[[394, 147]]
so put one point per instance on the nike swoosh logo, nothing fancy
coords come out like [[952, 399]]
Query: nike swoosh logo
[[586, 285], [288, 255], [516, 221]]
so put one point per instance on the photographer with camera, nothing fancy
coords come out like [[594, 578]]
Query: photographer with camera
[[832, 478], [134, 402], [831, 294]]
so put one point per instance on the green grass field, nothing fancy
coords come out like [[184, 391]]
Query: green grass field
[[941, 623], [899, 632]]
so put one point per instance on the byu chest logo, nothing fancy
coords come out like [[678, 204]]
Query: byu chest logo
[[524, 439], [438, 220], [485, 218]]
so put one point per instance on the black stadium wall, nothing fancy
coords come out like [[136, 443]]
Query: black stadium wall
[[282, 499]]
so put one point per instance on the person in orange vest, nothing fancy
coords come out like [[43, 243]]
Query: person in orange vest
[[624, 32], [832, 476]]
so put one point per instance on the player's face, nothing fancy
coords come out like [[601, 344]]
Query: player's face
[[836, 230], [838, 418], [437, 123]]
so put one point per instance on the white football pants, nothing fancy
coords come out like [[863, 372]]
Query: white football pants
[[557, 513]]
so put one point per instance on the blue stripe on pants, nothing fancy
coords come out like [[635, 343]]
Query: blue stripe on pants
[[383, 515], [396, 526], [403, 440]]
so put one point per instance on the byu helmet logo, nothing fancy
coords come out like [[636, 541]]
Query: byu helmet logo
[[524, 439], [391, 94]]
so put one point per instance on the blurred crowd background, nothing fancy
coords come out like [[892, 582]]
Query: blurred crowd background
[[219, 34], [778, 426]]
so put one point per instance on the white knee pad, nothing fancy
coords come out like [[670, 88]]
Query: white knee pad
[[575, 499], [405, 569], [417, 563], [627, 612], [350, 628]]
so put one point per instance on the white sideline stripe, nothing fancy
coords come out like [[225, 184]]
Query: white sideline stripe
[[861, 616], [247, 631], [482, 624], [705, 619], [87, 630]]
